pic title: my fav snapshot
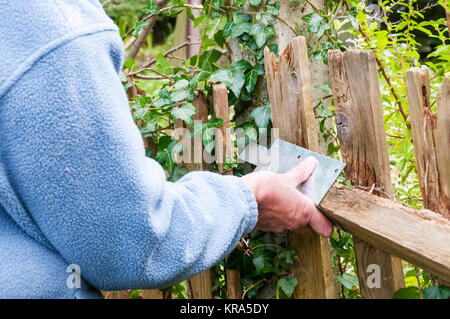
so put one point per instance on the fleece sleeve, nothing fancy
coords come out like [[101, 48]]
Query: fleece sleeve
[[77, 162]]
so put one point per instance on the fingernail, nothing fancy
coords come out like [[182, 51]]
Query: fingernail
[[310, 161]]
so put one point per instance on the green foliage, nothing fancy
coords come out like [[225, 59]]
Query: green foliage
[[439, 292], [342, 24]]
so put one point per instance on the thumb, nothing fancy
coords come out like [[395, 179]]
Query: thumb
[[302, 171]]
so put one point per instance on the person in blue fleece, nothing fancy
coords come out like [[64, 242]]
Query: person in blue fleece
[[75, 185]]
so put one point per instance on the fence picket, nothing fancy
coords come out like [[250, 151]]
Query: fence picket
[[223, 150], [361, 133], [290, 93]]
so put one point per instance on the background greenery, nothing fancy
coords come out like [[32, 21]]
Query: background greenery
[[402, 34]]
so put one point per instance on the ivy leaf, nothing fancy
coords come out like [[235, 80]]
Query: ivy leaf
[[178, 172], [266, 18], [138, 27], [261, 115], [208, 57], [242, 65], [440, 292], [255, 2], [288, 285], [250, 80], [208, 138], [316, 24], [325, 86], [238, 78], [322, 53], [262, 260], [222, 75], [151, 7], [407, 293], [184, 112], [348, 281], [240, 28], [239, 260], [214, 122]]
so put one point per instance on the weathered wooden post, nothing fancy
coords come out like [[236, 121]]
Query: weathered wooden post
[[290, 94], [223, 151], [201, 284], [431, 138], [361, 133]]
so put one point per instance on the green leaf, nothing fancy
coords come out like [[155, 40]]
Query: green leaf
[[178, 172], [316, 24], [263, 259], [138, 27], [184, 112], [239, 29], [325, 86], [239, 260], [407, 293], [288, 285], [250, 80], [241, 65], [255, 2], [348, 281], [440, 292], [214, 122], [266, 18], [222, 75], [238, 78], [261, 115], [208, 138], [135, 294]]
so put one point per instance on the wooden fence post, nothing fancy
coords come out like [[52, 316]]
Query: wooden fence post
[[431, 138], [201, 284], [290, 94], [361, 133], [426, 144], [223, 150]]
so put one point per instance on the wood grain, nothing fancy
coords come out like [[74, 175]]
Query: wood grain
[[223, 150], [201, 284], [290, 93], [443, 138], [420, 237], [361, 133], [426, 142]]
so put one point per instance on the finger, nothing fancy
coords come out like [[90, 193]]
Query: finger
[[302, 172], [319, 223]]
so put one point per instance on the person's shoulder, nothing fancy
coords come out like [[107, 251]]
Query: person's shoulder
[[31, 29]]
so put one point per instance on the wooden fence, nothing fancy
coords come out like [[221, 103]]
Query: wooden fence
[[384, 231]]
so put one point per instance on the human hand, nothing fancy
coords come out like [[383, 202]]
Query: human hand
[[281, 206]]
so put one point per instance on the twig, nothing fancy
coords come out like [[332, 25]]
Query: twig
[[165, 54], [151, 77], [144, 33]]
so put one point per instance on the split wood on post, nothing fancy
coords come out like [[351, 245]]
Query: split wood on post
[[290, 93], [223, 151], [430, 141], [361, 133], [431, 138]]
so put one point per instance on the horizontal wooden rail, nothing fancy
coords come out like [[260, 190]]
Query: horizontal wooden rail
[[421, 237]]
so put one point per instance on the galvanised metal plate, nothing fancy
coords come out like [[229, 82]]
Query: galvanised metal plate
[[282, 156]]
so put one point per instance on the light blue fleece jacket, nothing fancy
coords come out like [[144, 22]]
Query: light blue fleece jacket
[[75, 185]]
